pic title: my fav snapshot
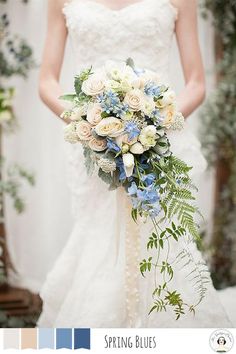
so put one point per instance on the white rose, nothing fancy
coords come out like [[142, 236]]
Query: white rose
[[148, 106], [84, 130], [118, 86], [128, 160], [70, 133], [148, 136], [119, 71], [168, 98], [110, 126], [5, 116], [134, 99], [137, 149], [168, 113], [94, 114], [94, 85], [97, 144]]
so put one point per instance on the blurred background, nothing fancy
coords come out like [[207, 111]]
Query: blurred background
[[35, 216]]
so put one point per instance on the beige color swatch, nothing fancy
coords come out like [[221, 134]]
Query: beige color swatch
[[29, 338]]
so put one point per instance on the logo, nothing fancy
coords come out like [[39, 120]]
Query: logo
[[221, 341]]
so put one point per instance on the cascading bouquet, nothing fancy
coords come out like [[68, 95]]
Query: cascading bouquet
[[121, 115]]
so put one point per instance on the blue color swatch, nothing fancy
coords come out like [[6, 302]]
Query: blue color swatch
[[82, 338], [46, 338], [64, 338]]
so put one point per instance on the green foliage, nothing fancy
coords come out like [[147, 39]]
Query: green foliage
[[89, 161], [178, 216], [224, 18], [106, 177], [12, 184], [145, 266], [7, 117], [219, 144], [15, 53], [79, 79]]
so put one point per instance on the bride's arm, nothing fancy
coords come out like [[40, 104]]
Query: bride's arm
[[193, 93], [49, 88]]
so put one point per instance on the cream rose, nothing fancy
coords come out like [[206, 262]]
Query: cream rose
[[128, 160], [148, 136], [84, 130], [134, 99], [143, 79], [77, 113], [124, 139], [94, 114], [168, 114], [137, 149], [97, 144], [110, 126], [94, 85]]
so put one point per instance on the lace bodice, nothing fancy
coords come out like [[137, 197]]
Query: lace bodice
[[142, 31]]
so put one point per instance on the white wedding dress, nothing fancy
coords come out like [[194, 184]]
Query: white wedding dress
[[90, 284]]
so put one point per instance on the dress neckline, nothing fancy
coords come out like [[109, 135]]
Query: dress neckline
[[122, 9]]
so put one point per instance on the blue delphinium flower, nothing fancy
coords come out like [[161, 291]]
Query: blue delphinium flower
[[112, 146], [132, 129], [132, 190], [148, 195], [111, 103], [149, 179], [154, 210], [120, 166], [120, 109], [146, 200], [156, 117], [151, 89], [108, 101]]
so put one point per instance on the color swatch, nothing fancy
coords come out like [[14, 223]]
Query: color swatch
[[47, 338], [29, 338], [64, 338], [11, 338]]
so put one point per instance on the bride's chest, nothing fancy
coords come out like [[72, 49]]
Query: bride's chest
[[93, 20]]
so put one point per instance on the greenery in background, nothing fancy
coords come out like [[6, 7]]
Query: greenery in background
[[219, 142], [15, 60]]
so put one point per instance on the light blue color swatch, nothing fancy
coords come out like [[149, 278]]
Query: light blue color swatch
[[46, 338]]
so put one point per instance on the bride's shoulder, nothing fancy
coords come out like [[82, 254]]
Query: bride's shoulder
[[184, 4], [58, 4]]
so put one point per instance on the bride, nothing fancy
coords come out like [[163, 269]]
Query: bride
[[88, 286]]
